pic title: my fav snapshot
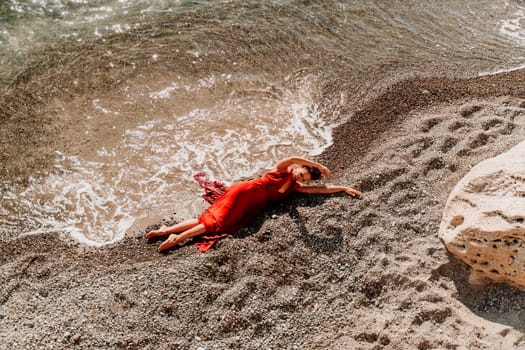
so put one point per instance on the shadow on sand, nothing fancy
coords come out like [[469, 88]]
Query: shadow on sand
[[326, 239], [321, 240], [500, 303]]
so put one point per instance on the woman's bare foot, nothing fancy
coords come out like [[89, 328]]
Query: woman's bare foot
[[171, 242], [157, 233]]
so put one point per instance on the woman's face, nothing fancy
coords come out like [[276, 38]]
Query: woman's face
[[302, 174]]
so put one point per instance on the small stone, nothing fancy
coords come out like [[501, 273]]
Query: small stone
[[76, 338]]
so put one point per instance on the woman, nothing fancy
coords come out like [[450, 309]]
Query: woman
[[243, 201]]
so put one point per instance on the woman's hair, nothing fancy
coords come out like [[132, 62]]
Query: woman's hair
[[315, 173]]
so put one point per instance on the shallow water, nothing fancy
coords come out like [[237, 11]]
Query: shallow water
[[134, 96], [143, 172]]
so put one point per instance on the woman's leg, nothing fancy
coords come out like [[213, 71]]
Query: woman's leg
[[166, 231], [173, 239]]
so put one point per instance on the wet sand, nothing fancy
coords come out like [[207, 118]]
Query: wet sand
[[313, 272]]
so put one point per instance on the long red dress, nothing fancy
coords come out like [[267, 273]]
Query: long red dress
[[243, 201]]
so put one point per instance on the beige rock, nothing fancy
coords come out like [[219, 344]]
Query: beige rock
[[483, 220]]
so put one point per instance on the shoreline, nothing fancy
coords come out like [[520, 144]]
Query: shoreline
[[313, 272]]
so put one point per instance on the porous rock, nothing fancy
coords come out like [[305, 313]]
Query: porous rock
[[483, 220]]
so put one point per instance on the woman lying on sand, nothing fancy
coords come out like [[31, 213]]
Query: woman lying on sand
[[243, 201]]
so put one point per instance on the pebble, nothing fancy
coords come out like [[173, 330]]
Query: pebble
[[76, 338]]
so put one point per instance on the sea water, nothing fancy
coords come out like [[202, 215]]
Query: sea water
[[151, 92]]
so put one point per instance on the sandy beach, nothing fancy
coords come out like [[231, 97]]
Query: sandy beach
[[313, 272]]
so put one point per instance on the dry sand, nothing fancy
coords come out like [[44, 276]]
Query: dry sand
[[314, 272]]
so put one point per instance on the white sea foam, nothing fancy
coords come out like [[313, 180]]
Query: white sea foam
[[79, 200], [148, 174], [505, 70], [164, 93], [514, 27]]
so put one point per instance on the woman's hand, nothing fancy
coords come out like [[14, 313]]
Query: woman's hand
[[353, 193], [325, 171]]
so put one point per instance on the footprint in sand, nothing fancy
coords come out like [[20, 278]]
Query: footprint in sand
[[429, 124], [491, 123], [469, 111], [385, 176], [448, 144], [479, 140], [434, 163], [457, 124]]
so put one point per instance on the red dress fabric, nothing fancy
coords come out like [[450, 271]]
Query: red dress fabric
[[212, 189], [243, 201]]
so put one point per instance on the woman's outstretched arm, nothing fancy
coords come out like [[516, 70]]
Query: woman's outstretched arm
[[283, 165], [327, 189]]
